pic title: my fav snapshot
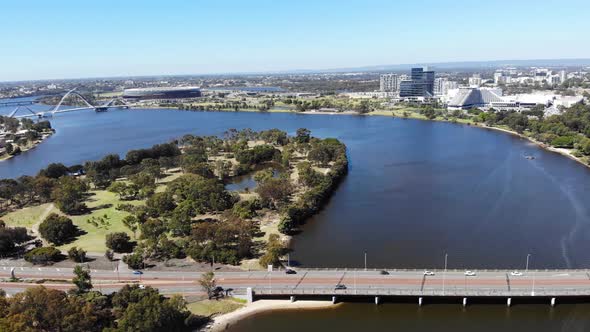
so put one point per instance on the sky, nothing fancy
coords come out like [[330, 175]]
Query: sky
[[56, 39]]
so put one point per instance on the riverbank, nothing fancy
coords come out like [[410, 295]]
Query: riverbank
[[29, 147], [416, 116], [223, 322]]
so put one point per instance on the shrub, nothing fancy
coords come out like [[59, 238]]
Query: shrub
[[134, 260], [43, 255], [77, 254], [119, 242], [57, 229]]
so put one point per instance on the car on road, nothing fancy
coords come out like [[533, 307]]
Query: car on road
[[384, 273], [340, 286], [516, 273], [137, 272], [469, 273], [428, 273], [290, 271], [141, 286]]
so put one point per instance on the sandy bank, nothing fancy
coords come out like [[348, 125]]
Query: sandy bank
[[222, 322]]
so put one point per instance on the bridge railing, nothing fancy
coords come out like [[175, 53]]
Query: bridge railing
[[452, 292], [346, 269]]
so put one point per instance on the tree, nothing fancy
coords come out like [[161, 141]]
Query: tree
[[275, 191], [119, 242], [132, 222], [10, 237], [43, 309], [82, 279], [274, 250], [43, 255], [77, 254], [68, 195], [208, 283], [134, 260], [429, 113], [54, 171], [303, 135], [57, 229], [160, 203]]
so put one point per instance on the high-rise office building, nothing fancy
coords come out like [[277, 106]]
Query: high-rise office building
[[420, 84], [388, 83]]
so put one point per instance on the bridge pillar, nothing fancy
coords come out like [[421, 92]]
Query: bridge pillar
[[377, 300], [553, 302], [249, 295], [464, 302], [509, 302], [333, 299], [292, 298], [420, 301]]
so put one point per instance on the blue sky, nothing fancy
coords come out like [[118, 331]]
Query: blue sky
[[68, 39]]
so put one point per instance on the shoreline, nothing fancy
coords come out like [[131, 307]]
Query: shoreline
[[223, 322], [36, 144], [561, 151]]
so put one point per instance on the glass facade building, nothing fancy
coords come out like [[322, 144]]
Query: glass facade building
[[420, 84]]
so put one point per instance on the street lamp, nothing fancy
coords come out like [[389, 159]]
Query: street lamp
[[445, 273], [365, 261], [528, 256]]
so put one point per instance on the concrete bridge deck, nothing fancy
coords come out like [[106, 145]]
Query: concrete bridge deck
[[322, 282]]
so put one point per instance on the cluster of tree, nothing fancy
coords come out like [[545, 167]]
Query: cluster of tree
[[147, 162], [11, 239], [219, 105], [33, 131], [129, 309], [571, 129], [320, 187]]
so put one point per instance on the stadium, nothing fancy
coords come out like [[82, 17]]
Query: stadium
[[162, 93]]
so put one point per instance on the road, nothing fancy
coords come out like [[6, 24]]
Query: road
[[396, 282]]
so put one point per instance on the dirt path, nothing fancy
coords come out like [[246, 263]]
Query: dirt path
[[35, 227]]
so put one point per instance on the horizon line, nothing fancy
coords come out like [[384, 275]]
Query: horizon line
[[363, 68]]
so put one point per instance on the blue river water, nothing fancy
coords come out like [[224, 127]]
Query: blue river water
[[415, 191]]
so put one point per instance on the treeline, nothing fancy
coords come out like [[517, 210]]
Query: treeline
[[13, 140], [129, 309], [194, 215], [324, 153], [570, 130]]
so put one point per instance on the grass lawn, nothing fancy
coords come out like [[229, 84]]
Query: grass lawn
[[26, 217], [103, 204], [214, 307]]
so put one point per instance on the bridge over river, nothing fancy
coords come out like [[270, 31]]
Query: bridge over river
[[547, 286], [29, 113]]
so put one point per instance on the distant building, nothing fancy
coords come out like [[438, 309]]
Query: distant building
[[562, 76], [162, 93], [475, 80], [468, 98], [420, 84], [440, 86], [388, 82]]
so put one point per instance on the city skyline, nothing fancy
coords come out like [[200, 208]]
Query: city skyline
[[73, 40]]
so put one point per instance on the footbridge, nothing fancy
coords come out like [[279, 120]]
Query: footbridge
[[29, 113], [387, 285]]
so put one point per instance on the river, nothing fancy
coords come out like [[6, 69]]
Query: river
[[415, 191]]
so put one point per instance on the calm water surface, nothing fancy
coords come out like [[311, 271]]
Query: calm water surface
[[415, 191]]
